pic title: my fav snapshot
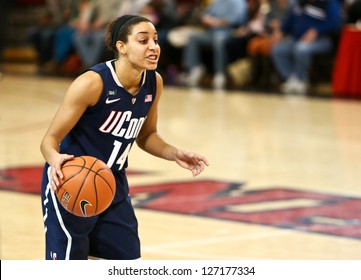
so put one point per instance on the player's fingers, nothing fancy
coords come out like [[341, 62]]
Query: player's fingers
[[53, 184], [54, 180], [204, 160], [198, 169], [59, 173], [199, 158], [194, 172]]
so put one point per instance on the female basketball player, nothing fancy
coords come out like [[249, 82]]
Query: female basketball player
[[103, 112]]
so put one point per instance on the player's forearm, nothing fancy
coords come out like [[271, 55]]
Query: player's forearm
[[49, 148], [156, 146]]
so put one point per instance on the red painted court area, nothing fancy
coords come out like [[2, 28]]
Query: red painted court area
[[317, 212]]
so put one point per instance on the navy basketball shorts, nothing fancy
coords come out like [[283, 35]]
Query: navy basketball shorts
[[111, 235]]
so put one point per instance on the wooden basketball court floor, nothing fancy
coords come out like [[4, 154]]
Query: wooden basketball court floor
[[284, 180]]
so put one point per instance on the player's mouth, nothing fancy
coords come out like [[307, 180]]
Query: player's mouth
[[152, 58]]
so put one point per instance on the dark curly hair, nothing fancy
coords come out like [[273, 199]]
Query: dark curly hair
[[119, 29]]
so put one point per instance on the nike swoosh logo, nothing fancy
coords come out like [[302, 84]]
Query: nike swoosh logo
[[109, 101], [84, 203]]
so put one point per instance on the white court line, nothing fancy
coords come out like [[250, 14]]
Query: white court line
[[191, 255], [205, 241], [168, 248]]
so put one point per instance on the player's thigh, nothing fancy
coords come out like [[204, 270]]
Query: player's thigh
[[116, 233]]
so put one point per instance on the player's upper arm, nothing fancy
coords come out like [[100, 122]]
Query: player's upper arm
[[85, 91]]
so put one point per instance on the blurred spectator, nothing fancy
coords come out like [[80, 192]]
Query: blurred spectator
[[219, 19], [42, 35], [259, 47], [131, 7], [307, 30], [188, 12], [238, 61], [65, 61], [5, 6], [89, 37], [166, 17], [186, 21], [353, 11], [237, 43]]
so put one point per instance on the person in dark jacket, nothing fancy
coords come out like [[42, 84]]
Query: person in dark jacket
[[307, 29]]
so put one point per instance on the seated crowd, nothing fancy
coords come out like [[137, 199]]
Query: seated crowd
[[263, 44]]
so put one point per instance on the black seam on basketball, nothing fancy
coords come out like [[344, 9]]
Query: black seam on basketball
[[85, 177], [72, 176], [96, 190], [97, 173], [82, 184], [95, 186], [72, 165], [64, 183], [84, 160]]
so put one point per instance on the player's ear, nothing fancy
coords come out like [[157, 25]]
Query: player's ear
[[121, 47]]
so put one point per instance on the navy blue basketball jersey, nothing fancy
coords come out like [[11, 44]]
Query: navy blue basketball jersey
[[108, 129]]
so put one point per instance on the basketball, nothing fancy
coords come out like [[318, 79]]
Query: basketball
[[87, 188]]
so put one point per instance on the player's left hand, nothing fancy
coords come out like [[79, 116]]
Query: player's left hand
[[191, 161]]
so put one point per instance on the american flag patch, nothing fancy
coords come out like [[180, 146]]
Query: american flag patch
[[148, 98]]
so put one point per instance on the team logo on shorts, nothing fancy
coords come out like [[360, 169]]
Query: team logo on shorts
[[53, 255]]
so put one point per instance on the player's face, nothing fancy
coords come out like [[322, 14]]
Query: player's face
[[142, 48]]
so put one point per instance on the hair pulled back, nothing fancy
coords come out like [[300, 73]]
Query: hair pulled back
[[119, 29]]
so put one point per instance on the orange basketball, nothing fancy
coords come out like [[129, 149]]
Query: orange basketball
[[87, 188]]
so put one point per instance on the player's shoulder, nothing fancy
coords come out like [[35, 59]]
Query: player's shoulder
[[158, 84], [153, 78], [88, 85], [101, 66], [89, 78], [158, 78]]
